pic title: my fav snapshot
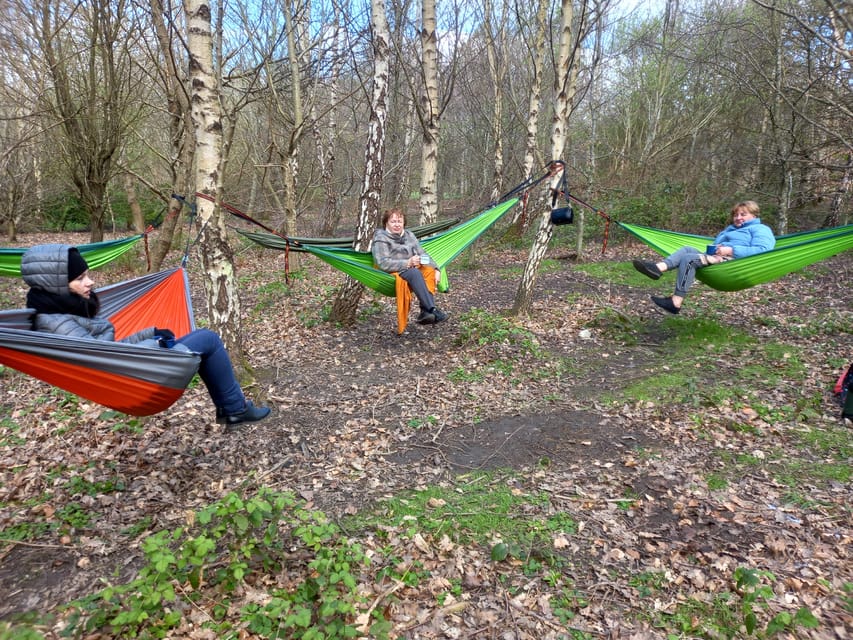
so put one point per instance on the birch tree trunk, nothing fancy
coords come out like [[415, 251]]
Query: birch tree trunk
[[220, 283], [564, 90], [519, 222], [345, 305], [428, 204], [496, 56]]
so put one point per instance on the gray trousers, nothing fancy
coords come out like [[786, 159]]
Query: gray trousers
[[419, 287], [686, 260]]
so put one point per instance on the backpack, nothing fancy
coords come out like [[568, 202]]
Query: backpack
[[844, 392]]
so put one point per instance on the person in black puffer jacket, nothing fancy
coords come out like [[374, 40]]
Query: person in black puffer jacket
[[65, 302]]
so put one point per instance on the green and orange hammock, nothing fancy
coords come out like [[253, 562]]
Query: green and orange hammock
[[96, 254], [134, 379], [791, 253], [442, 247]]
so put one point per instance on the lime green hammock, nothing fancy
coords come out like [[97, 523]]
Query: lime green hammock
[[791, 253], [96, 254], [442, 247]]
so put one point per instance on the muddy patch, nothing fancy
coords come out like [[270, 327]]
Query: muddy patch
[[516, 442]]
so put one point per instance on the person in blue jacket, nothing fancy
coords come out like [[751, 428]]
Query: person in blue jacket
[[745, 236]]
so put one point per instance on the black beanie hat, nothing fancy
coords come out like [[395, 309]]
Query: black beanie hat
[[76, 264]]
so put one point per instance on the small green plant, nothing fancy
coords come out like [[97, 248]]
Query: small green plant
[[461, 374], [9, 433], [480, 328], [648, 583], [78, 485], [728, 614], [423, 423], [208, 561], [10, 631], [717, 481], [755, 594]]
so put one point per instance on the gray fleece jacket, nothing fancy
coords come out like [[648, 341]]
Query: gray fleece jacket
[[391, 252]]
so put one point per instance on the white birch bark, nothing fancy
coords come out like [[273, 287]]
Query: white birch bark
[[220, 282], [346, 303], [533, 106], [564, 90], [428, 204]]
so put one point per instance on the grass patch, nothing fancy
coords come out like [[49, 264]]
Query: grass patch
[[9, 430], [478, 509]]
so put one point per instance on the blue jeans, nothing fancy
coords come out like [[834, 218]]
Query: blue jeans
[[216, 370], [686, 260], [419, 287]]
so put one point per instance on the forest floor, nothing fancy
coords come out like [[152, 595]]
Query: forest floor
[[669, 451]]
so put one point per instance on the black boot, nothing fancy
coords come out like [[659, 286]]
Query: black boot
[[426, 317], [250, 414], [666, 304], [649, 269]]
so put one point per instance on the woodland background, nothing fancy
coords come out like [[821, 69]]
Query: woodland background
[[636, 476], [313, 117]]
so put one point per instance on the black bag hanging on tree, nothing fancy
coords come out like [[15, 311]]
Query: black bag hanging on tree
[[561, 215]]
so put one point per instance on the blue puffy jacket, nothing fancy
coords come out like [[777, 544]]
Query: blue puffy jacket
[[748, 239]]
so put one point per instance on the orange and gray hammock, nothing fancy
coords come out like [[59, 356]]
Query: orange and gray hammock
[[134, 379], [792, 252]]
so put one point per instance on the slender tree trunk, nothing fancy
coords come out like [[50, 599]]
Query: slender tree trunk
[[136, 215], [324, 140], [401, 193], [181, 138], [428, 205], [345, 305], [564, 89], [496, 54], [291, 162], [833, 219], [519, 222], [220, 281]]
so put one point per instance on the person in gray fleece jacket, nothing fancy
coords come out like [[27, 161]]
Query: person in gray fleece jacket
[[397, 250], [63, 297]]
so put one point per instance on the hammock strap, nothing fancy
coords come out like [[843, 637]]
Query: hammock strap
[[608, 219], [245, 216]]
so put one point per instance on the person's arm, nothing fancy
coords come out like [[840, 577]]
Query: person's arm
[[139, 336]]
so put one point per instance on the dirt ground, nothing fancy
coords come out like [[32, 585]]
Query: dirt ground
[[361, 413]]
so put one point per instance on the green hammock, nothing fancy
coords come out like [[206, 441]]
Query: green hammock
[[791, 253], [97, 254], [442, 247], [293, 243]]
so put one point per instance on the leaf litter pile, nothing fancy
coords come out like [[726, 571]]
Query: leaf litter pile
[[659, 496]]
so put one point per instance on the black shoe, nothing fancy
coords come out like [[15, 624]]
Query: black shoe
[[649, 269], [440, 316], [666, 304], [250, 414], [426, 317]]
